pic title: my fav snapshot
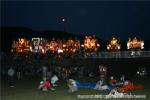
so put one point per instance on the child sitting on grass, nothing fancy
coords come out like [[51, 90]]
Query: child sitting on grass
[[45, 85]]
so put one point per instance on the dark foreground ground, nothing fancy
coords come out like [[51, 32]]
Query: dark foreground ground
[[27, 90]]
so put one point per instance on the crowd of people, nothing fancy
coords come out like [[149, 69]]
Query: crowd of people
[[49, 70], [22, 66]]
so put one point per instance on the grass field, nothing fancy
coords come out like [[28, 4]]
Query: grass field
[[27, 90]]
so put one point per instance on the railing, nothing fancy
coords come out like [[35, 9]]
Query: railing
[[121, 54], [102, 54]]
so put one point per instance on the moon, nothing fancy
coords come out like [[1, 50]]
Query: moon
[[63, 19]]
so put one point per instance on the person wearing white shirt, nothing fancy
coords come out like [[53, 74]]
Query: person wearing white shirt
[[54, 79], [11, 73], [72, 85]]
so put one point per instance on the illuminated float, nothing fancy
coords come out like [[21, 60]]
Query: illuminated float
[[21, 45], [114, 44], [135, 44], [90, 43]]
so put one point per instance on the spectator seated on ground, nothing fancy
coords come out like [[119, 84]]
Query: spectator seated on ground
[[72, 85], [45, 85], [120, 82], [112, 81], [128, 85], [101, 86], [115, 94], [54, 79]]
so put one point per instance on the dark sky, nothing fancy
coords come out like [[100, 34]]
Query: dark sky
[[103, 19]]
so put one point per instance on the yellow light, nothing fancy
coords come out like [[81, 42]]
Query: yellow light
[[60, 51], [64, 45], [108, 47], [43, 51], [82, 45], [30, 48]]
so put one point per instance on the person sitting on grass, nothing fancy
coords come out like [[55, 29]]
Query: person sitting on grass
[[121, 81], [112, 81], [45, 85], [72, 85], [101, 86], [54, 79], [115, 94]]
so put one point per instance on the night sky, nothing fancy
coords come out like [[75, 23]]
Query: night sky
[[103, 19]]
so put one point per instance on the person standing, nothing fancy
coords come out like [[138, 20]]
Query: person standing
[[102, 72], [49, 74], [18, 72], [11, 73], [44, 71]]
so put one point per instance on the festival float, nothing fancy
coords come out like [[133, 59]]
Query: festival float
[[114, 45], [21, 45], [90, 43], [135, 44]]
